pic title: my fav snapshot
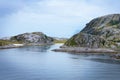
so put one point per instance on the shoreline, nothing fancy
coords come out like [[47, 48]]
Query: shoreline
[[11, 46], [22, 45], [90, 51], [85, 50], [74, 50]]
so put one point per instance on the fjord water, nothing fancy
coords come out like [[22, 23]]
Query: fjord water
[[40, 63]]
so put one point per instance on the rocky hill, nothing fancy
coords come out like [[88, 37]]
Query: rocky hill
[[101, 32], [34, 38]]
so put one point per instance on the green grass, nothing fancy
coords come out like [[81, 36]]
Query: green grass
[[113, 22], [6, 42], [71, 42], [60, 41]]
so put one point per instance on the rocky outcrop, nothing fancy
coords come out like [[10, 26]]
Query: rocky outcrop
[[101, 32], [35, 38], [86, 40], [85, 50]]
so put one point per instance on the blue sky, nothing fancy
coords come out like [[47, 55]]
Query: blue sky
[[58, 18]]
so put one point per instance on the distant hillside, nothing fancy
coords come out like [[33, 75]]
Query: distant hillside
[[34, 38], [98, 33], [59, 40]]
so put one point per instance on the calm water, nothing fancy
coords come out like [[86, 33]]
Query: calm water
[[40, 63]]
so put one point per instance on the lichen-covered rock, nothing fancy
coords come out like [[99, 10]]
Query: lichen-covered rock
[[86, 40], [100, 32], [33, 38]]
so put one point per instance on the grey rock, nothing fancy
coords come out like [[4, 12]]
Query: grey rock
[[85, 50], [101, 32], [86, 40], [34, 38]]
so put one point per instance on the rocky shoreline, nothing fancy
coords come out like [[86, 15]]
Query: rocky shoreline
[[100, 36], [11, 46], [85, 50], [90, 51], [22, 45]]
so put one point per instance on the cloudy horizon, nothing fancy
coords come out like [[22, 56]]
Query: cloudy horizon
[[57, 18]]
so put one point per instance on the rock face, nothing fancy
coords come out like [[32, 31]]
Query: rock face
[[34, 38], [99, 33]]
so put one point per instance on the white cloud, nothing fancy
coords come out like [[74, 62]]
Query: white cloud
[[56, 17]]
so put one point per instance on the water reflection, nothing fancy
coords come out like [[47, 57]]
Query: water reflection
[[109, 61], [40, 63], [102, 58], [35, 48]]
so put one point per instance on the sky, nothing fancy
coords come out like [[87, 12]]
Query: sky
[[56, 18]]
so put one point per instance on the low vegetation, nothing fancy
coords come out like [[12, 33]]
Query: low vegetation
[[60, 41], [6, 42]]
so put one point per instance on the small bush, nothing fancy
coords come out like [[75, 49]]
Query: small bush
[[113, 22]]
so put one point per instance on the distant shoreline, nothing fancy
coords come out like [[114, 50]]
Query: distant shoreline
[[11, 46], [22, 45]]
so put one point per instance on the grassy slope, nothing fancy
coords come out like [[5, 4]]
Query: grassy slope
[[6, 42]]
